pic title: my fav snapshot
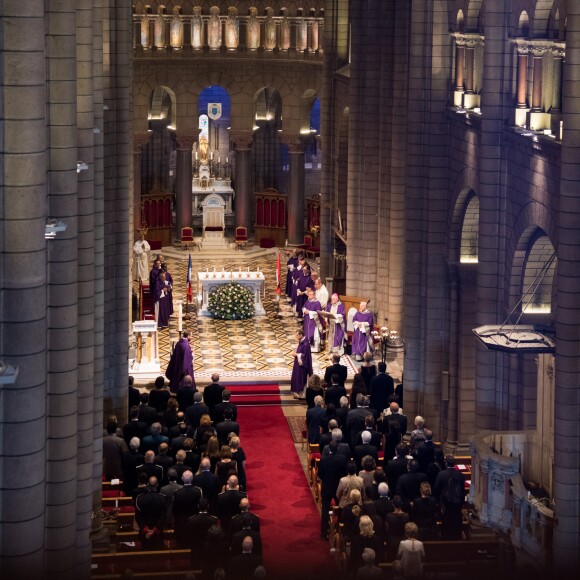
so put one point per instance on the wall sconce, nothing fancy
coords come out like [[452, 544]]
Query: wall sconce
[[8, 374], [52, 227]]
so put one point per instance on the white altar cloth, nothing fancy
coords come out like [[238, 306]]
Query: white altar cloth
[[209, 281]]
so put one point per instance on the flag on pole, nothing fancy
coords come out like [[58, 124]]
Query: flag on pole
[[278, 291], [189, 289]]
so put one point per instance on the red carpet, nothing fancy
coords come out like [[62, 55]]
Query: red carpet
[[279, 494], [254, 394]]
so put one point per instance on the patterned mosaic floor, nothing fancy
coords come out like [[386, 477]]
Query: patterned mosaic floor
[[258, 349]]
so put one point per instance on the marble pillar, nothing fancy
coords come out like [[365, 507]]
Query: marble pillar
[[296, 192], [183, 181], [242, 142], [140, 139]]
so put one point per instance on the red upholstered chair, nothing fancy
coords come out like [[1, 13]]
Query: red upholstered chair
[[241, 237], [186, 237]]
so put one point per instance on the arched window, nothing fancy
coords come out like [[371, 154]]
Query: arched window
[[538, 277], [470, 233]]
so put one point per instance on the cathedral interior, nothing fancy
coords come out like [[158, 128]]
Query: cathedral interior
[[428, 149]]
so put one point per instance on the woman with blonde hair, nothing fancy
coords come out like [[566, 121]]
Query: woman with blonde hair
[[313, 389], [367, 538], [212, 451], [204, 432], [350, 514], [411, 552]]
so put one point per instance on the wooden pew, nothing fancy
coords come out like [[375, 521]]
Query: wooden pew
[[145, 561]]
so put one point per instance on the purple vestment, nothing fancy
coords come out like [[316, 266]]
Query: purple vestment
[[296, 274], [310, 324], [360, 339], [336, 330], [180, 364], [302, 283], [302, 368], [291, 265]]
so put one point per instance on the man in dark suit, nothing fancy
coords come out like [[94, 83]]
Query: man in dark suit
[[314, 418], [178, 439], [227, 426], [376, 436], [395, 415], [381, 388], [219, 410], [236, 523], [333, 394], [150, 467], [409, 484], [228, 503], [450, 491], [330, 469], [150, 516], [134, 394], [355, 420], [197, 528], [426, 453], [165, 461], [244, 565], [194, 412], [185, 505], [186, 392], [364, 449], [208, 482], [396, 467], [342, 448], [341, 371], [212, 394], [147, 414], [134, 428], [238, 537], [326, 438], [342, 412], [130, 462]]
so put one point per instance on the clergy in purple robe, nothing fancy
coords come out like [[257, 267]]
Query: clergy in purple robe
[[163, 304], [336, 329], [292, 264], [312, 325], [153, 275], [296, 273], [169, 282], [180, 363], [362, 323], [304, 282], [302, 368]]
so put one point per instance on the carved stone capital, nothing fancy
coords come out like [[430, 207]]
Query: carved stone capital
[[523, 49], [558, 52], [241, 140], [140, 139], [538, 51], [185, 141], [294, 142]]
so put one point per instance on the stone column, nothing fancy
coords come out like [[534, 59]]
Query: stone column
[[469, 65], [242, 142], [489, 378], [521, 90], [566, 480], [23, 278], [558, 54], [335, 43], [538, 59], [63, 309], [183, 183], [459, 62], [140, 139], [295, 209], [99, 217]]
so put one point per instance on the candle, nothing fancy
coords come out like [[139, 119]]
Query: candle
[[211, 155], [196, 155], [219, 159], [214, 268], [227, 160], [180, 319]]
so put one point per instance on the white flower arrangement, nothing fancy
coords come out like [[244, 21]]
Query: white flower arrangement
[[231, 301]]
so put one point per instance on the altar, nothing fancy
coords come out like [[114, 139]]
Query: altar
[[210, 281], [212, 178]]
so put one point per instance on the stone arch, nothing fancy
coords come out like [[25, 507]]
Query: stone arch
[[457, 14], [162, 104], [541, 18], [465, 189], [538, 275], [306, 104], [473, 16], [534, 216], [342, 168], [557, 21], [469, 250], [460, 21], [267, 104]]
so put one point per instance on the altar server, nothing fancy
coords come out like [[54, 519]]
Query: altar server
[[362, 322]]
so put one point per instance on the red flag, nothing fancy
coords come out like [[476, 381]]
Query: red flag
[[278, 291], [189, 289]]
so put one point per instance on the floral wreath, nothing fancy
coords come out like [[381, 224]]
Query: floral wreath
[[231, 301]]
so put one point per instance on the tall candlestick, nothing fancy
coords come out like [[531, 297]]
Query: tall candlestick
[[180, 319], [196, 155]]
